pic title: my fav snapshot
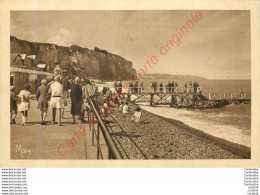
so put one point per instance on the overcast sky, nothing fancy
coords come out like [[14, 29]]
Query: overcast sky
[[218, 46]]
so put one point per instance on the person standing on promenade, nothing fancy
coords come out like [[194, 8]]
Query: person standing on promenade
[[120, 87], [155, 87], [71, 83], [195, 86], [136, 87], [152, 87], [56, 93], [161, 87], [165, 88], [13, 105], [76, 100], [108, 95], [176, 87], [172, 86], [132, 87], [87, 92], [169, 87], [115, 86], [42, 98], [24, 106], [190, 86], [142, 87], [66, 87], [104, 90], [95, 88], [186, 87]]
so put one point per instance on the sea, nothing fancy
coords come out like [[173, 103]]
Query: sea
[[232, 122]]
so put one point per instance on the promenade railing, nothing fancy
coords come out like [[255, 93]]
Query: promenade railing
[[97, 125]]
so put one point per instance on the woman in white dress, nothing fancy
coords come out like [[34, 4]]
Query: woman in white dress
[[24, 106]]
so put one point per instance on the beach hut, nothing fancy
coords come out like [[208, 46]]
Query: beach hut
[[20, 76]]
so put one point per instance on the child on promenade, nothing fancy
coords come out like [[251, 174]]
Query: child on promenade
[[24, 106], [13, 105]]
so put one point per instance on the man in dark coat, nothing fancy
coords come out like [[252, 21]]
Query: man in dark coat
[[76, 100]]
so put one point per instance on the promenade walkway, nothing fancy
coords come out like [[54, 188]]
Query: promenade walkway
[[35, 141]]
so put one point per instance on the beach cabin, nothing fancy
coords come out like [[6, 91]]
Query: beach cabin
[[20, 76]]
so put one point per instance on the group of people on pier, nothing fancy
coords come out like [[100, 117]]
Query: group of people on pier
[[170, 87], [173, 87], [54, 95], [133, 87]]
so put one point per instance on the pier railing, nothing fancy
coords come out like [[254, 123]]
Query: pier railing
[[184, 98], [182, 90], [97, 125]]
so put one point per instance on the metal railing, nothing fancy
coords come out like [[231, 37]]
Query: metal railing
[[113, 152]]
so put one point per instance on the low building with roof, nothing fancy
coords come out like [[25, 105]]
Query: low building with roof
[[20, 76]]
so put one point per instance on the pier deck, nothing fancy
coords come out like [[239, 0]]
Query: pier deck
[[188, 100]]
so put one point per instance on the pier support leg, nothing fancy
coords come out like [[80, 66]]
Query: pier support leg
[[172, 101], [152, 100]]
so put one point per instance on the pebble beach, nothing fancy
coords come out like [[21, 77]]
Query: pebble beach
[[162, 138]]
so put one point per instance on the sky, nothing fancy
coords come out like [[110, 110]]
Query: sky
[[217, 47]]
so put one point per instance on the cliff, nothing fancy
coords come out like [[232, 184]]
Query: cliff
[[96, 63]]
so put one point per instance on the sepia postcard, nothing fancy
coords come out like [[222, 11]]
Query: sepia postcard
[[143, 84]]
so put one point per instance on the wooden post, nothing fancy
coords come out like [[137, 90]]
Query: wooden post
[[214, 96], [244, 95], [224, 96], [220, 96], [209, 96], [172, 101], [231, 96], [152, 100]]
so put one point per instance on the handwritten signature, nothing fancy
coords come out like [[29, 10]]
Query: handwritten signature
[[23, 151]]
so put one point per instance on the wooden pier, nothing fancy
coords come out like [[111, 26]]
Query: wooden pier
[[189, 100]]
